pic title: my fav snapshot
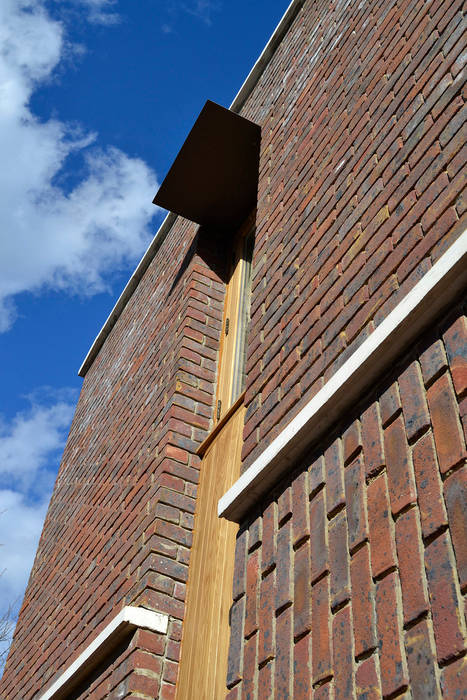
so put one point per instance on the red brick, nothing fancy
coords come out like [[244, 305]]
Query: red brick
[[235, 658], [445, 599], [302, 590], [367, 680], [265, 682], [372, 438], [284, 593], [342, 654], [390, 404], [266, 648], [363, 606], [255, 532], [429, 487], [455, 342], [251, 609], [335, 496], [351, 441], [446, 425], [411, 565], [234, 694], [284, 504], [383, 554], [401, 481], [421, 659], [316, 473], [355, 496], [283, 665], [239, 577], [319, 537], [268, 556], [455, 493], [320, 641], [300, 507], [339, 560], [250, 668], [391, 652], [302, 668], [433, 361], [454, 679], [414, 405]]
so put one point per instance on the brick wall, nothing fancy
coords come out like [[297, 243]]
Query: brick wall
[[350, 579], [361, 187], [119, 526]]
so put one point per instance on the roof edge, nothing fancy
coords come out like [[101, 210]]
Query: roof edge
[[238, 102]]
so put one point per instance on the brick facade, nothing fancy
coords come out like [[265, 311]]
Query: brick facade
[[350, 576]]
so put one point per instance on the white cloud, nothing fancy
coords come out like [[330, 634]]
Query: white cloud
[[30, 447], [49, 236]]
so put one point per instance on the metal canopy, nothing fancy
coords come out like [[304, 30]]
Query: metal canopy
[[213, 180]]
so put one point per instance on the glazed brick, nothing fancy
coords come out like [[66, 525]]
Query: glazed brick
[[283, 663], [363, 606], [401, 481], [429, 488], [455, 493], [421, 655], [411, 565], [268, 549], [300, 507], [454, 679], [383, 555], [414, 405], [372, 439], [251, 608], [302, 668], [455, 342], [249, 668], [355, 495], [335, 495], [266, 649], [392, 660], [235, 658], [339, 559], [445, 600], [284, 580], [318, 536], [342, 654], [446, 425], [302, 590], [320, 639], [367, 680]]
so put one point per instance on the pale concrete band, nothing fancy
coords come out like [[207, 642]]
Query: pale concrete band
[[128, 619], [437, 289]]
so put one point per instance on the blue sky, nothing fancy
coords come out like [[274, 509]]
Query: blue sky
[[96, 98]]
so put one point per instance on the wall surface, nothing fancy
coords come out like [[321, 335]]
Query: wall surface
[[352, 572]]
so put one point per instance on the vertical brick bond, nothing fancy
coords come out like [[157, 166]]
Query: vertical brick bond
[[119, 526], [366, 599]]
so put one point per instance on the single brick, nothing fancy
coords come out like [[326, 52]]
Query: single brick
[[300, 507], [324, 692], [316, 474], [251, 609], [265, 682], [255, 531], [421, 655], [455, 492], [446, 603], [250, 667], [351, 441], [235, 659], [339, 560], [320, 642], [283, 663], [414, 405], [302, 668], [447, 430], [284, 566], [268, 549], [429, 488], [356, 503], [335, 496], [302, 590], [383, 554], [367, 680], [318, 536], [284, 504], [433, 361], [239, 577], [401, 481], [372, 439], [390, 404], [455, 342], [411, 565], [363, 605], [342, 654], [454, 679], [391, 651], [266, 648]]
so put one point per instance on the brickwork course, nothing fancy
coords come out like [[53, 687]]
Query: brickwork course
[[351, 576]]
